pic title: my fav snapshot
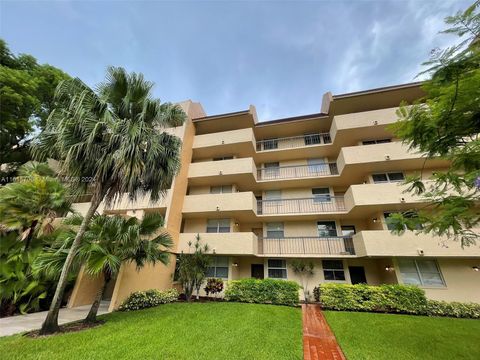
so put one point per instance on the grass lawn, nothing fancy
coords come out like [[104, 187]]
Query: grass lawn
[[384, 336], [175, 331]]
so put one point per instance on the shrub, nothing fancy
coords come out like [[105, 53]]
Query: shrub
[[265, 291], [214, 286], [453, 309], [384, 298], [149, 298]]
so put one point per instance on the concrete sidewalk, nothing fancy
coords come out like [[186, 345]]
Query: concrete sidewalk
[[21, 323]]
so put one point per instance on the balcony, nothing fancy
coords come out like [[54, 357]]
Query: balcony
[[384, 243], [297, 171], [294, 142], [336, 245], [240, 142], [224, 204], [234, 243], [313, 205], [208, 173]]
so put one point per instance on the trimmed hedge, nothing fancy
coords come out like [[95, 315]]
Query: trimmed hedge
[[149, 298], [404, 299], [263, 291], [453, 309]]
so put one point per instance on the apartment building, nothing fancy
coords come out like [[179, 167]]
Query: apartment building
[[317, 187]]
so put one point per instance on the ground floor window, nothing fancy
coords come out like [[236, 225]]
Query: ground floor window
[[218, 267], [277, 269], [421, 272], [333, 270]]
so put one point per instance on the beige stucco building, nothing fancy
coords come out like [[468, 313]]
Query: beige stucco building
[[317, 186]]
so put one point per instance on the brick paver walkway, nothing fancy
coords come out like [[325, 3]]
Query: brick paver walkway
[[319, 343]]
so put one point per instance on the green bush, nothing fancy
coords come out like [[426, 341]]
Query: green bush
[[149, 298], [265, 291], [453, 309], [384, 298]]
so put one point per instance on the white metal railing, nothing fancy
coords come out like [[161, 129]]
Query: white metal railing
[[333, 245], [294, 141], [297, 171], [316, 204]]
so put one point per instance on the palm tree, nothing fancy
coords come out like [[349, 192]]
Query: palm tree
[[114, 136], [304, 269], [30, 204], [108, 242]]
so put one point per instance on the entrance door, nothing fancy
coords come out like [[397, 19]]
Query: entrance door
[[257, 271], [357, 275]]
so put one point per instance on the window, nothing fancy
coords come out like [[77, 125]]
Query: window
[[223, 189], [321, 195], [218, 267], [275, 230], [381, 141], [218, 226], [317, 166], [420, 272], [312, 139], [273, 195], [326, 228], [223, 158], [269, 144], [272, 169], [348, 230], [388, 177], [333, 270], [277, 268]]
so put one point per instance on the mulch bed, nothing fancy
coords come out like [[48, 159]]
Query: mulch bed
[[67, 328]]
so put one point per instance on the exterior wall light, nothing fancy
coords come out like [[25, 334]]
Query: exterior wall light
[[475, 268], [387, 157], [218, 208], [235, 264], [389, 268], [375, 220]]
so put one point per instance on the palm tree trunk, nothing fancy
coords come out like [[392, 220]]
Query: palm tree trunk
[[29, 238], [92, 314], [50, 325]]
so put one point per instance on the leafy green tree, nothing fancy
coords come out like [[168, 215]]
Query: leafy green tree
[[305, 270], [27, 97], [115, 136], [28, 207], [192, 267], [446, 124], [31, 203], [108, 242]]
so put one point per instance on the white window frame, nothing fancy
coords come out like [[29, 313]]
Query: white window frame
[[214, 265], [218, 227], [334, 271], [221, 189], [420, 274], [275, 227], [322, 198], [388, 177], [283, 267]]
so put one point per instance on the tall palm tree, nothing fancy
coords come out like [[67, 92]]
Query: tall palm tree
[[115, 137], [107, 243], [30, 204]]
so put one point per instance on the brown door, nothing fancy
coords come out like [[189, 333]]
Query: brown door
[[257, 271]]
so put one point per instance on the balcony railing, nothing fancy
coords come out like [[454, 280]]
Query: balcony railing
[[335, 245], [297, 171], [317, 204], [293, 142]]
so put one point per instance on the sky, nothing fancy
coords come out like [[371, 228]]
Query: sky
[[280, 56]]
